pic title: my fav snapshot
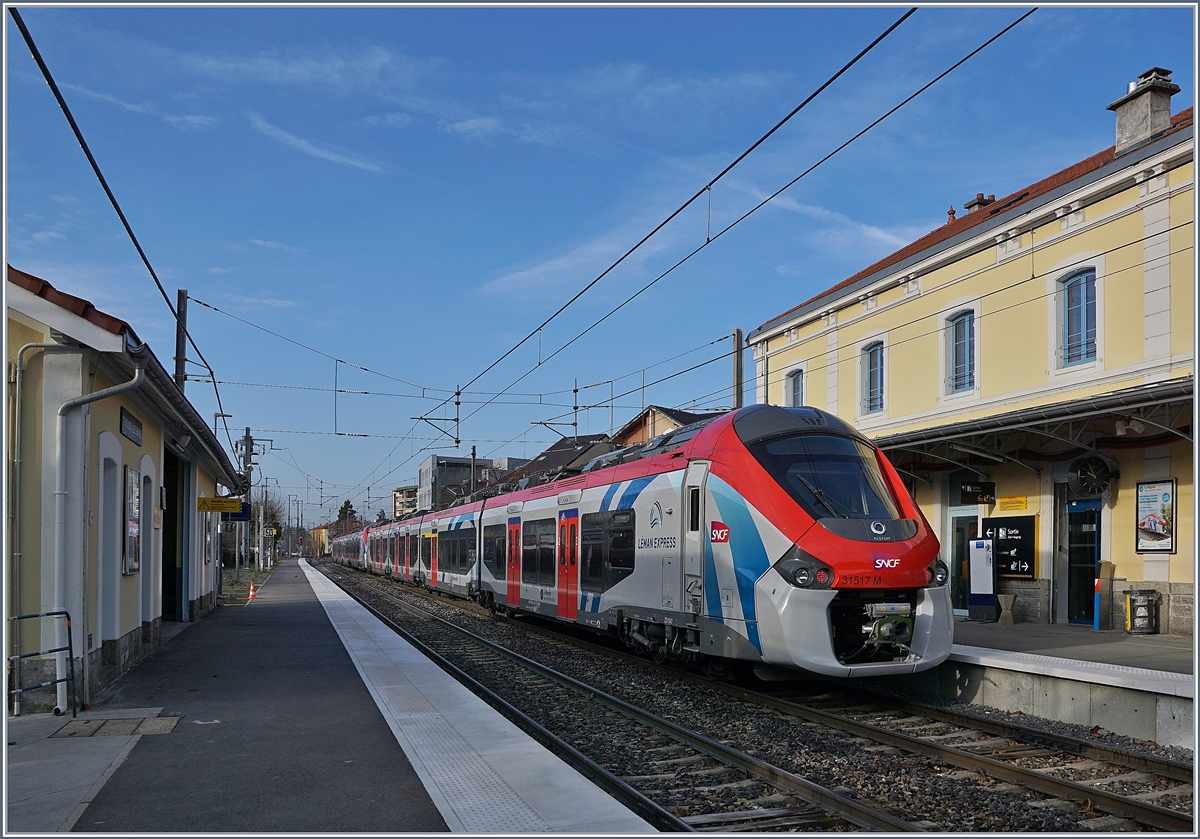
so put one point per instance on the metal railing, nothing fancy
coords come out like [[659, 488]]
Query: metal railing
[[67, 649]]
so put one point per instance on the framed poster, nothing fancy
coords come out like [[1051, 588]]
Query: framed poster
[[1156, 517], [131, 561]]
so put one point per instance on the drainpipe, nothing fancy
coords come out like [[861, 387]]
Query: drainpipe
[[60, 514], [15, 523]]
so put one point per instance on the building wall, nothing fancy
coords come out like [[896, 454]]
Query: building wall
[[1134, 229]]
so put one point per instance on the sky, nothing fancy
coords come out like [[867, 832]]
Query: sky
[[414, 191]]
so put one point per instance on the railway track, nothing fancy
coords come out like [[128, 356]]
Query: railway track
[[1075, 782], [689, 780]]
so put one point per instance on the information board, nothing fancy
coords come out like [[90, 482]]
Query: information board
[[1014, 540]]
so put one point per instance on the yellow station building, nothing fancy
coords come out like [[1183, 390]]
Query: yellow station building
[[1028, 367], [111, 472]]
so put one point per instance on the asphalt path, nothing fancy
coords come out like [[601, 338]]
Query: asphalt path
[[277, 733]]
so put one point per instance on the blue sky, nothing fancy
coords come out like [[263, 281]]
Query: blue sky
[[415, 190]]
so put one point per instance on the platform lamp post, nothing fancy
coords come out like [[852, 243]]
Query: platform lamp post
[[291, 531]]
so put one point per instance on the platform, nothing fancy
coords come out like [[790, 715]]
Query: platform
[[297, 713], [1140, 686]]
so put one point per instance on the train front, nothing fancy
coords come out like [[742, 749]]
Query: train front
[[854, 585]]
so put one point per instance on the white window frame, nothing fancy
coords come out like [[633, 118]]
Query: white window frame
[[1056, 313], [788, 389], [947, 394], [861, 354]]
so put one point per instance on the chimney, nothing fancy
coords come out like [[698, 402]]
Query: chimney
[[977, 202], [1145, 110]]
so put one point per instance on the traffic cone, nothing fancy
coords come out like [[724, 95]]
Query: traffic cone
[[252, 594]]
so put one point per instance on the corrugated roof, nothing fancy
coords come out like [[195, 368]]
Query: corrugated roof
[[960, 225]]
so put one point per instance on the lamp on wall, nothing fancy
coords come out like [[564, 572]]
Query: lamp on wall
[[183, 440]]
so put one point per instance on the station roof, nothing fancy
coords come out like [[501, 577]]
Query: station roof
[[994, 214], [162, 392]]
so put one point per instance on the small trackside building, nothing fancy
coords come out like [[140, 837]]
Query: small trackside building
[[107, 460], [1028, 368]]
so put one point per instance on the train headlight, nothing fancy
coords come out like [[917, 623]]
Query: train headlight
[[803, 570], [937, 574]]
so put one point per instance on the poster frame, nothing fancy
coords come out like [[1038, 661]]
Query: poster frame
[[1169, 546]]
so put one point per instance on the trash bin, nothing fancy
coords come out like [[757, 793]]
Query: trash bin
[[1141, 612]]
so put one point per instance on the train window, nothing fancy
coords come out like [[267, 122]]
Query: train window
[[694, 509], [830, 476], [591, 572], [537, 552], [607, 549], [493, 550]]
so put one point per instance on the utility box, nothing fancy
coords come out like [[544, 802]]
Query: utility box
[[981, 599]]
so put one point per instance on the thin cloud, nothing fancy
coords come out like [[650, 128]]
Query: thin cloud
[[269, 245], [304, 146], [185, 121]]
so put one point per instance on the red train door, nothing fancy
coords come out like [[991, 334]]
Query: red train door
[[407, 556], [433, 578], [568, 563], [514, 562]]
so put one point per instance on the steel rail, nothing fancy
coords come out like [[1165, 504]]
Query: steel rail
[[855, 812], [1173, 769], [657, 816], [1102, 800]]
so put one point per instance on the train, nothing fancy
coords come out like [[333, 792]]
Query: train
[[779, 537]]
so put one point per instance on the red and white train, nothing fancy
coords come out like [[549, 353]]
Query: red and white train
[[778, 536]]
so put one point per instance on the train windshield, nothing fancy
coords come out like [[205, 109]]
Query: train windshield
[[830, 476]]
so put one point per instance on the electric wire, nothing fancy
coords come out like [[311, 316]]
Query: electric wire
[[764, 202], [939, 329], [62, 102], [691, 200]]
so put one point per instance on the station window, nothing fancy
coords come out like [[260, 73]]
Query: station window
[[795, 389], [1078, 295], [962, 352], [872, 357]]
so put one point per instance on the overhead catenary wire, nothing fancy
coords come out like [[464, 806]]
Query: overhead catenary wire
[[938, 329], [701, 192], [62, 103], [711, 238]]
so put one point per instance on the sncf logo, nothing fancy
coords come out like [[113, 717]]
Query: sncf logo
[[718, 533], [886, 563]]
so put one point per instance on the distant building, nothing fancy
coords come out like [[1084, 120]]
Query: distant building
[[322, 544], [404, 501], [655, 420], [567, 453], [442, 480]]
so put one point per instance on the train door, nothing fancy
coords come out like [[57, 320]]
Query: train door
[[695, 535], [407, 543], [514, 562], [568, 563], [433, 558]]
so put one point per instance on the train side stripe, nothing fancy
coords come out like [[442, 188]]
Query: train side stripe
[[745, 543], [608, 496], [631, 493]]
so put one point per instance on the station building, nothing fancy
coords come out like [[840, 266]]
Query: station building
[[108, 461], [1028, 368]]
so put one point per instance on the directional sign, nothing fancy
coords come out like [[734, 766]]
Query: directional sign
[[238, 515], [1014, 544], [219, 505]]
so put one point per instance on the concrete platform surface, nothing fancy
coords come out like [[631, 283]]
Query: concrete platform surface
[[1167, 653], [257, 720]]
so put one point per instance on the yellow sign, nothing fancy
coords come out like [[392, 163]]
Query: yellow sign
[[1014, 502], [218, 505]]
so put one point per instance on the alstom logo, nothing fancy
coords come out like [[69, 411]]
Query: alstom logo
[[886, 563], [718, 533]]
